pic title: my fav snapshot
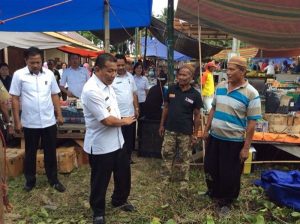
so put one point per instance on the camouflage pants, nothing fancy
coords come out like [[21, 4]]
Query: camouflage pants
[[176, 154]]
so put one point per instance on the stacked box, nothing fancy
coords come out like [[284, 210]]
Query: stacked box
[[281, 123], [278, 123], [73, 115], [40, 166], [14, 161], [262, 126], [81, 155], [66, 159]]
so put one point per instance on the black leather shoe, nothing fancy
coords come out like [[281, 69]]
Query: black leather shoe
[[59, 187], [127, 207], [28, 188], [98, 220]]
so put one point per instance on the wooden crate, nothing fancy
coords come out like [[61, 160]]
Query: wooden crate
[[14, 161], [73, 131]]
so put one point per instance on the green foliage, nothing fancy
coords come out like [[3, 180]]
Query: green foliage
[[209, 220], [91, 37], [156, 203]]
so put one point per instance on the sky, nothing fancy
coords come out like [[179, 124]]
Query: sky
[[159, 5]]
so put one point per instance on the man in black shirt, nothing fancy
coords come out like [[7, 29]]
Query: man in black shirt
[[179, 125]]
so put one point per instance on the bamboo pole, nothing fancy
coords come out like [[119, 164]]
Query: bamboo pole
[[200, 79], [260, 162]]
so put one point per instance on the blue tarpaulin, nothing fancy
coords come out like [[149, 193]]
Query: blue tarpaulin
[[282, 187], [72, 15], [159, 50]]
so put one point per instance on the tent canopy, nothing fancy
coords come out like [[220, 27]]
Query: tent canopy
[[268, 24], [182, 43], [71, 15], [157, 49], [80, 51], [28, 39]]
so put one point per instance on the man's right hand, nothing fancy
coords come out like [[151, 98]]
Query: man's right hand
[[70, 94], [161, 131], [205, 135], [18, 127], [128, 120]]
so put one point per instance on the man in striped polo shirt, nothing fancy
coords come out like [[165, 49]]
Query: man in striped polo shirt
[[229, 131]]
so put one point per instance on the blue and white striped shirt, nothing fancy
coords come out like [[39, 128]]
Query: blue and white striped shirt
[[233, 109]]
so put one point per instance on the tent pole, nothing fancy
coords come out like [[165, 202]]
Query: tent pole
[[136, 45], [200, 79], [106, 26], [145, 48], [170, 41]]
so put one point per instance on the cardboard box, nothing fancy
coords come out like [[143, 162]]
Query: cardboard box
[[14, 161], [81, 155], [66, 159], [40, 166], [262, 126]]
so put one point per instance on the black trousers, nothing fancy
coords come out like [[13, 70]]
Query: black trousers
[[142, 109], [223, 169], [129, 132], [102, 166], [32, 139]]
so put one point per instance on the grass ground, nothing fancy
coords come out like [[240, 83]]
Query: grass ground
[[154, 205]]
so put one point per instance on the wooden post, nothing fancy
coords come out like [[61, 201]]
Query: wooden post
[[106, 26]]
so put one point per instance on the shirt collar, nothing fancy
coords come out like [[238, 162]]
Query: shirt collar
[[121, 76], [99, 83], [178, 87], [241, 86], [27, 71]]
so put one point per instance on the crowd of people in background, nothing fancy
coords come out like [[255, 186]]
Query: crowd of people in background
[[270, 67]]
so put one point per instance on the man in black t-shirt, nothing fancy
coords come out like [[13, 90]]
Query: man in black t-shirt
[[179, 125]]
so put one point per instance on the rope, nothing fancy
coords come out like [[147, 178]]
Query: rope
[[3, 183], [34, 11], [113, 11]]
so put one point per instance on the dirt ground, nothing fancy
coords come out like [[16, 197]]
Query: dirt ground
[[154, 203]]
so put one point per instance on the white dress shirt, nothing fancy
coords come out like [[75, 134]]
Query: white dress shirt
[[124, 87], [75, 79], [35, 92], [99, 102], [142, 85]]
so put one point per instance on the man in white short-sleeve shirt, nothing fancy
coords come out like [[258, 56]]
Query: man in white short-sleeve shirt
[[126, 92], [104, 140], [37, 89], [75, 77]]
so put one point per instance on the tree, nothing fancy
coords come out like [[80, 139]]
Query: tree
[[88, 35]]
